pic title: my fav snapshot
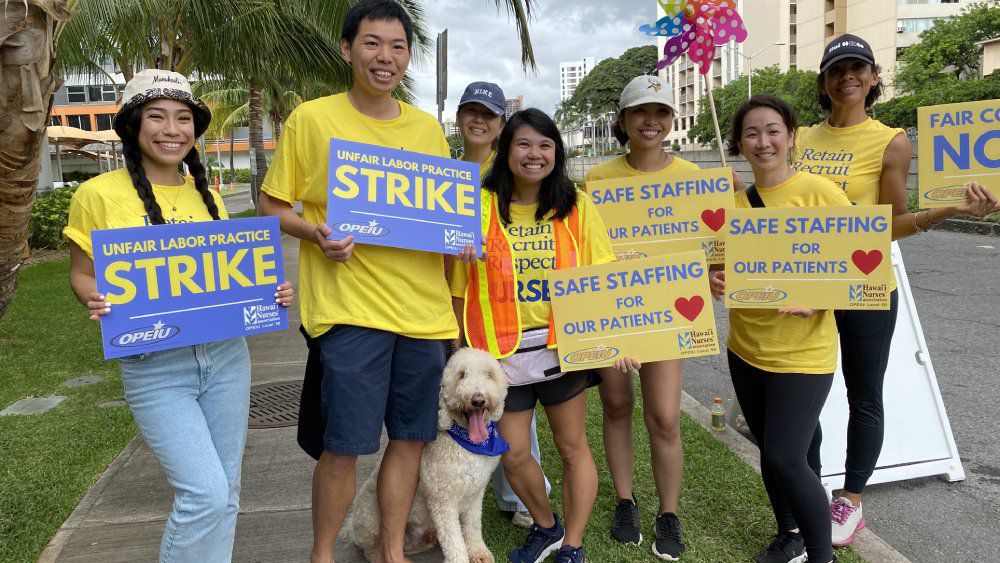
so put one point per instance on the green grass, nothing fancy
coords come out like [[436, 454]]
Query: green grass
[[724, 510], [48, 461], [244, 214]]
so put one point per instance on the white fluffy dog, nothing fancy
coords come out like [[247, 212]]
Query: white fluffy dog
[[448, 505]]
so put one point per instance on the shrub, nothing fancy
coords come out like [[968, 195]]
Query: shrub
[[49, 216], [242, 175]]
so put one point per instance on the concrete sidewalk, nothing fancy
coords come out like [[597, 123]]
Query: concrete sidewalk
[[121, 518]]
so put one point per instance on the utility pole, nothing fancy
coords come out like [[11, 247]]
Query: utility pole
[[442, 73]]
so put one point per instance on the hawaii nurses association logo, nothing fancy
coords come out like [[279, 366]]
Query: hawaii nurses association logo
[[697, 342], [860, 295], [261, 316], [458, 239]]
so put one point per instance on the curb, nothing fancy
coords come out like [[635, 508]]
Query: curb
[[974, 227], [55, 546], [868, 545]]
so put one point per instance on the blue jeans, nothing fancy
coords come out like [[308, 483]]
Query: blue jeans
[[506, 497], [191, 405]]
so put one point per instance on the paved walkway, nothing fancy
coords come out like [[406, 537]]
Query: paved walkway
[[122, 517]]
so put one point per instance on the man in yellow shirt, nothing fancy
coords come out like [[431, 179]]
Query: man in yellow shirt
[[376, 317]]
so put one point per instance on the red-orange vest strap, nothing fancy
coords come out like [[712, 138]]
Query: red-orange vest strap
[[492, 318]]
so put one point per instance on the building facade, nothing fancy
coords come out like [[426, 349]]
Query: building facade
[[513, 106], [793, 34], [570, 75]]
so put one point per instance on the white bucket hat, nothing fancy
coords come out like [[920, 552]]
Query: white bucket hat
[[155, 84]]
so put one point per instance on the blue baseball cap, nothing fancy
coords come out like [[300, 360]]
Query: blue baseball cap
[[486, 93]]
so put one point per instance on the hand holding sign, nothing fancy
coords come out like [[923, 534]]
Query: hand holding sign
[[336, 250]]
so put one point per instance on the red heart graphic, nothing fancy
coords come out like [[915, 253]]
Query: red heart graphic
[[690, 308], [867, 261], [714, 219]]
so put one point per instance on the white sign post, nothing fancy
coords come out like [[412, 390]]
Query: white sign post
[[918, 439]]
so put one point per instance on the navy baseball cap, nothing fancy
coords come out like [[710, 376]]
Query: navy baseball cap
[[846, 46], [486, 93]]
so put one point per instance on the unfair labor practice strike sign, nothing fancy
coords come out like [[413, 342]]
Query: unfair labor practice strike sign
[[658, 214], [957, 143], [814, 257], [188, 283], [650, 309], [403, 199]]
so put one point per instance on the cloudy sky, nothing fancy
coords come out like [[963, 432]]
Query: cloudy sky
[[483, 45]]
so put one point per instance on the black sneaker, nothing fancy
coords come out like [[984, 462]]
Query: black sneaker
[[570, 554], [625, 527], [539, 543], [668, 544], [786, 547]]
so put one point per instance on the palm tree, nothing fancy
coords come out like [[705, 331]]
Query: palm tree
[[26, 88]]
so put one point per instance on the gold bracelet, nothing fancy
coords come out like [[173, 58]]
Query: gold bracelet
[[916, 228]]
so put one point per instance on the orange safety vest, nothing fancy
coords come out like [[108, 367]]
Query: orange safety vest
[[492, 318]]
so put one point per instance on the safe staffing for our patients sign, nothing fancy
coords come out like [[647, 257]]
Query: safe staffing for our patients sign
[[403, 199], [814, 257], [656, 214], [957, 143], [188, 283], [651, 309]]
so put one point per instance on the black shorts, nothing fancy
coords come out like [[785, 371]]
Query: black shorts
[[550, 393]]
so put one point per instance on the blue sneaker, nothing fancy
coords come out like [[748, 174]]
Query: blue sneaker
[[540, 543], [570, 554]]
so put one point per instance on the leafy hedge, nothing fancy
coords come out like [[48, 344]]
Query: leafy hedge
[[49, 216], [242, 175]]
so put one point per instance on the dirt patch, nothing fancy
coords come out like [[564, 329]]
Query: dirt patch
[[45, 255]]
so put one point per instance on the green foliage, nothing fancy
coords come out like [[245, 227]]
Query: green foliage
[[797, 87], [456, 143], [600, 90], [902, 111], [242, 175], [948, 49], [49, 216]]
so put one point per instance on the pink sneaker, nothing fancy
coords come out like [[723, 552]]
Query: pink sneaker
[[847, 521]]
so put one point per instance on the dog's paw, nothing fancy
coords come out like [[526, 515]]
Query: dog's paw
[[480, 556]]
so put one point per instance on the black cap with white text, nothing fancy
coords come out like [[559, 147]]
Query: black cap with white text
[[846, 46]]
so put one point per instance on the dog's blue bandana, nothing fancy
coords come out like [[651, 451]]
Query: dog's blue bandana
[[494, 444]]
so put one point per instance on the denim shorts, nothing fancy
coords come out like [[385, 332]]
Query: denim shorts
[[373, 377]]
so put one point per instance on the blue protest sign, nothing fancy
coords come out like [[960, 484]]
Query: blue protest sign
[[403, 199], [188, 283]]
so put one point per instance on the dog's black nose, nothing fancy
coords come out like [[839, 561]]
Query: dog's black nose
[[478, 401]]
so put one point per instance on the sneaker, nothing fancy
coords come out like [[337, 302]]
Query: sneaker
[[625, 527], [847, 520], [539, 543], [786, 547], [668, 544], [521, 519], [570, 554]]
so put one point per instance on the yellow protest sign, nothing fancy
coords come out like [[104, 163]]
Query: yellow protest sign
[[815, 257], [658, 214], [651, 309], [957, 143]]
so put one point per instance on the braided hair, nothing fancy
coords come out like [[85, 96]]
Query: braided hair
[[133, 163]]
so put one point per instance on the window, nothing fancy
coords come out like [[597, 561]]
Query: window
[[54, 120], [104, 121], [915, 25], [79, 121], [102, 93], [76, 94]]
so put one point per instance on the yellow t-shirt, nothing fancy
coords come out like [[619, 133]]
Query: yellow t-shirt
[[620, 168], [850, 156], [778, 342], [400, 291], [485, 166], [533, 247], [110, 201]]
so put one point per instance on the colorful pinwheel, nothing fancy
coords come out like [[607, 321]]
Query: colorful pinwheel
[[696, 27]]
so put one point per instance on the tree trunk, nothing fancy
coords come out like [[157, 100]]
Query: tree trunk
[[258, 164], [26, 86], [232, 167]]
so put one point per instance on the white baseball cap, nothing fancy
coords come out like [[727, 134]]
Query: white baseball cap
[[647, 89]]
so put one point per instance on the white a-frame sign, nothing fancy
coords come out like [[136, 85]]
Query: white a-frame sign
[[918, 439]]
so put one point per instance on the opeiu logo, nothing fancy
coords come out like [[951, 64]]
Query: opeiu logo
[[369, 229], [145, 336], [758, 295], [629, 255], [954, 193], [591, 355]]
